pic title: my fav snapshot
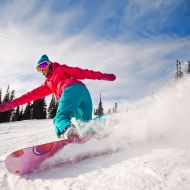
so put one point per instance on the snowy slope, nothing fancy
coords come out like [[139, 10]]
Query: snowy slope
[[148, 145]]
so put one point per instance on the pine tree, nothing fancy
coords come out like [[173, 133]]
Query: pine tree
[[12, 95], [39, 109], [52, 109], [44, 109], [179, 73], [99, 110], [12, 111], [16, 116], [7, 95], [27, 112], [20, 118], [188, 68]]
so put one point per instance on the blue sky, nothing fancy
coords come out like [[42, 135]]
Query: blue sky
[[139, 41], [111, 19]]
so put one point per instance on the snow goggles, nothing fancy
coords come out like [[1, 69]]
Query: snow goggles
[[43, 65]]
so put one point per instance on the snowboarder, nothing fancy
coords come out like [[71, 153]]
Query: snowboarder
[[74, 98]]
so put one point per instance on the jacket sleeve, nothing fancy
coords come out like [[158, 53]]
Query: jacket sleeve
[[35, 94], [82, 73]]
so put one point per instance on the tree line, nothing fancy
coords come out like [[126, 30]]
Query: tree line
[[100, 110], [37, 109], [182, 68]]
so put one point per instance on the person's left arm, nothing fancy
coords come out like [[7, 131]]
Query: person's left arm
[[87, 74]]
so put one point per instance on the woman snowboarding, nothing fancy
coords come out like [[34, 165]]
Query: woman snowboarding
[[74, 98]]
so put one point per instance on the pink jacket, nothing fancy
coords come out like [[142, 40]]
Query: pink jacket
[[61, 77]]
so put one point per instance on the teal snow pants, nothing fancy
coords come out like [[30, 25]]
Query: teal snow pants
[[74, 102]]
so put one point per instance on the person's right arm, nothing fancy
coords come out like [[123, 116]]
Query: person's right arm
[[35, 94]]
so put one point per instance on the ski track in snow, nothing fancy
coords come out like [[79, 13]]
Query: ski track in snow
[[148, 148]]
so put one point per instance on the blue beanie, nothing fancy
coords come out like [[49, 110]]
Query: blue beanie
[[43, 58]]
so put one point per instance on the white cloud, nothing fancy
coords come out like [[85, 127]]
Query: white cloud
[[147, 17]]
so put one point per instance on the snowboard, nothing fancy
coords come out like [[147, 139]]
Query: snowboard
[[26, 160]]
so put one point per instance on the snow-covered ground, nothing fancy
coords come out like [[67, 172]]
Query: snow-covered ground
[[148, 145]]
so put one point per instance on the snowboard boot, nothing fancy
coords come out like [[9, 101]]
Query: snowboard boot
[[70, 132]]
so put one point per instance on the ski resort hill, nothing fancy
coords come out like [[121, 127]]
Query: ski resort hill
[[148, 148]]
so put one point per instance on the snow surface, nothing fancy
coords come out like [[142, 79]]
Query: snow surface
[[148, 148]]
